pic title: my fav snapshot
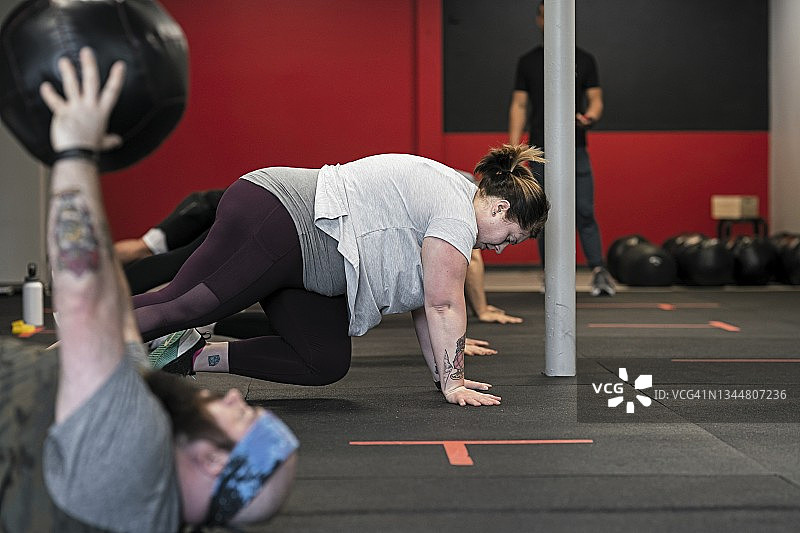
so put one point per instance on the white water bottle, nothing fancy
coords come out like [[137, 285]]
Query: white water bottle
[[33, 298]]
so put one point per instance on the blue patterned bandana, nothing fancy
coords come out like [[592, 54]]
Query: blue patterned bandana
[[251, 463]]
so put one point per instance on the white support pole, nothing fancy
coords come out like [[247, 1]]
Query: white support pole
[[559, 133]]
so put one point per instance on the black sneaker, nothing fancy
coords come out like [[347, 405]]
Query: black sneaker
[[602, 283], [176, 353]]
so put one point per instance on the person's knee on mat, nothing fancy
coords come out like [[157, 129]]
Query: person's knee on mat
[[335, 368]]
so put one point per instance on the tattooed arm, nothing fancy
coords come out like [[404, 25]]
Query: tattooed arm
[[424, 338], [93, 318], [445, 319]]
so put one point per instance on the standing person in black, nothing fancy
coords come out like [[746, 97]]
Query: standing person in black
[[529, 94]]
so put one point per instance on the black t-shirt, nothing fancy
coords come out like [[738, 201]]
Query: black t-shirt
[[530, 78]]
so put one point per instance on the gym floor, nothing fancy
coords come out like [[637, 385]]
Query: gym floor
[[382, 451]]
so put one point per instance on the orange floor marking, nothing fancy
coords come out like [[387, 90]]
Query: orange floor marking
[[662, 306], [456, 450], [457, 453], [712, 324], [723, 325], [651, 326], [783, 360]]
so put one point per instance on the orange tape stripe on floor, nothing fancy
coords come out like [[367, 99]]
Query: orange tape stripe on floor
[[429, 442], [723, 325], [712, 324], [662, 306], [651, 326], [456, 450], [720, 360]]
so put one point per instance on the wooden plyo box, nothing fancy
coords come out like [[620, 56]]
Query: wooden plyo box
[[724, 206]]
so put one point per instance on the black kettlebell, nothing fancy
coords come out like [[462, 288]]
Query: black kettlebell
[[754, 260], [788, 263]]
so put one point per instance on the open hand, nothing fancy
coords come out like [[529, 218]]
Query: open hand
[[492, 314], [81, 116], [476, 385], [463, 396], [477, 347]]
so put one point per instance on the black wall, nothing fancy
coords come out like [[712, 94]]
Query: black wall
[[663, 64]]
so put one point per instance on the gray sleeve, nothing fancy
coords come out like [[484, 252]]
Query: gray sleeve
[[455, 221], [454, 231], [110, 464]]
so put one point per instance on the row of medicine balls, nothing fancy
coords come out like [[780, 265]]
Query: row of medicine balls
[[694, 259]]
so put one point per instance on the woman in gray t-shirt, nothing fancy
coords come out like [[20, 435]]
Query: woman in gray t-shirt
[[327, 252]]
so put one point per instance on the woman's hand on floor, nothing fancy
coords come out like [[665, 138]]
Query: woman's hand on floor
[[495, 314], [476, 385], [477, 347], [463, 396]]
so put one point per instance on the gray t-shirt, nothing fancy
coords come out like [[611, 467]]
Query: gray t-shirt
[[295, 188], [110, 463], [379, 209], [361, 227]]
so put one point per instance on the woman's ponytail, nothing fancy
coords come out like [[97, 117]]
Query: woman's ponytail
[[504, 174], [508, 160]]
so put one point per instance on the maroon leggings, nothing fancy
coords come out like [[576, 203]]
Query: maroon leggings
[[252, 255]]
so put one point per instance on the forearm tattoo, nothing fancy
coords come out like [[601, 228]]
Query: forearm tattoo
[[75, 236], [458, 362], [455, 371]]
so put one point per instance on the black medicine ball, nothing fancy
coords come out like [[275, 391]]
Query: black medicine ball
[[139, 32], [647, 265], [708, 262], [677, 245], [618, 249]]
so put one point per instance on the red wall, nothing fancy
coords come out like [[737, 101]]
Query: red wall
[[299, 83], [656, 184], [309, 82]]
